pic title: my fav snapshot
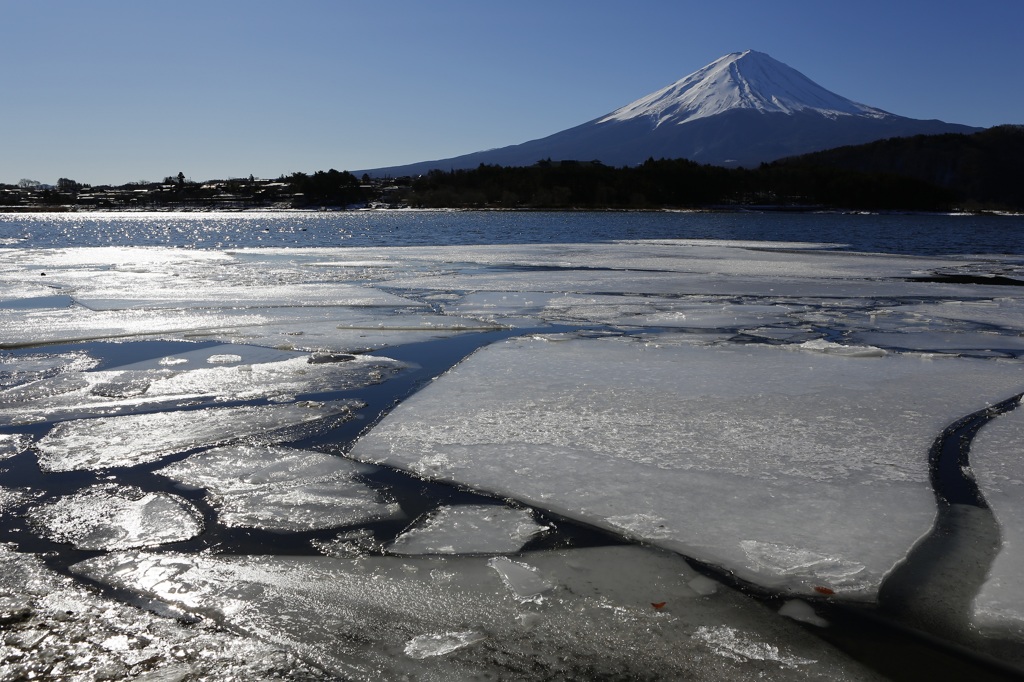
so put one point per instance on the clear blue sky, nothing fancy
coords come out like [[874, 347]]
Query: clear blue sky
[[113, 91]]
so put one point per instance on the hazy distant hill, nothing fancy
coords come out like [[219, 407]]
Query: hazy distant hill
[[741, 110]]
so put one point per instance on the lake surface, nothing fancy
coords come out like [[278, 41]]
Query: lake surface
[[914, 234]]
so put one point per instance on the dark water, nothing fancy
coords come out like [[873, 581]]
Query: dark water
[[915, 234]]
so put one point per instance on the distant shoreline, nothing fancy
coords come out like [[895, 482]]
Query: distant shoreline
[[34, 210]]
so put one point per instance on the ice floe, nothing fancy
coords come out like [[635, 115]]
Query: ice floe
[[773, 464], [282, 489], [110, 517], [129, 440], [469, 529]]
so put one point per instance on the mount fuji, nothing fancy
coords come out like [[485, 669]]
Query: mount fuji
[[741, 110]]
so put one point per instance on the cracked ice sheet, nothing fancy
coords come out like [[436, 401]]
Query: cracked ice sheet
[[777, 463], [282, 489], [997, 460], [129, 440], [26, 368], [1003, 314], [588, 281], [635, 311], [122, 278], [56, 629], [347, 330], [735, 259], [444, 618], [23, 328], [687, 266], [258, 295], [306, 328], [955, 342]]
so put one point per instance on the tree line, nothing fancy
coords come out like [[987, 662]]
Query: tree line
[[671, 183], [921, 173]]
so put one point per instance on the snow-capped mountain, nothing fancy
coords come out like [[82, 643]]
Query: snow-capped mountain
[[740, 110], [744, 80]]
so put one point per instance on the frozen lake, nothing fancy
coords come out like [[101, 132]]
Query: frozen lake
[[455, 446]]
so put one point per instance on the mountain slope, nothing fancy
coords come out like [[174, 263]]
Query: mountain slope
[[741, 110]]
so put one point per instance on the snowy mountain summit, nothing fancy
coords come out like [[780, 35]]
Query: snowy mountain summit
[[740, 110], [741, 80]]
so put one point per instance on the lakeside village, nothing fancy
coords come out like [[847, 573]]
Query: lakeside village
[[547, 185], [321, 190]]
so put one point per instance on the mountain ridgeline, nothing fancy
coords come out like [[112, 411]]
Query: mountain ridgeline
[[741, 110], [922, 173]]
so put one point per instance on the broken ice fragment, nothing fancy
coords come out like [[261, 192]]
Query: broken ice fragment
[[522, 579], [44, 388], [246, 468], [850, 351], [310, 506], [703, 586], [134, 439], [110, 517], [129, 385], [282, 489], [12, 444], [729, 642], [803, 612], [796, 564], [224, 359], [426, 646], [480, 529], [349, 544], [22, 369], [324, 358]]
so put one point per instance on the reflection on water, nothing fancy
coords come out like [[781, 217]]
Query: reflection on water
[[889, 233]]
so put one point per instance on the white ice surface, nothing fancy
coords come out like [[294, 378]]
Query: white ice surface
[[469, 529], [12, 444], [222, 377], [446, 618], [997, 460], [111, 517], [281, 489], [776, 464], [822, 512], [101, 443]]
